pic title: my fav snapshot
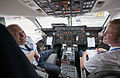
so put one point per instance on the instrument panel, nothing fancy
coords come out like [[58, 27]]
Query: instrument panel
[[63, 28], [72, 34]]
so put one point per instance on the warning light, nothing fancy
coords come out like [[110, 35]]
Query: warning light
[[100, 13], [61, 3]]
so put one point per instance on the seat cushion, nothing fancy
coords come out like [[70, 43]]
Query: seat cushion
[[52, 58]]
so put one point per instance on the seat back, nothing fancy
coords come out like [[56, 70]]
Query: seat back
[[14, 63], [106, 72]]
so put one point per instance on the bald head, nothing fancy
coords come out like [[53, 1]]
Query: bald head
[[18, 33]]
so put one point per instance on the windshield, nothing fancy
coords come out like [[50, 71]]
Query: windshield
[[96, 19], [46, 22]]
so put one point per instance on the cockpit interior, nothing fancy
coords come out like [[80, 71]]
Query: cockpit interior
[[70, 27]]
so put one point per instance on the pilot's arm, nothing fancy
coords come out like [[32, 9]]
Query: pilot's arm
[[93, 63], [100, 50], [83, 60], [32, 54], [37, 56]]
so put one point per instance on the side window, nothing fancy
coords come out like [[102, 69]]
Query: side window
[[27, 25], [117, 16]]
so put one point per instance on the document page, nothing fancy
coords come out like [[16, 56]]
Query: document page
[[49, 40], [91, 42]]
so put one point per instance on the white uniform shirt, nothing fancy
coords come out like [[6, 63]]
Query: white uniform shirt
[[32, 46], [110, 58]]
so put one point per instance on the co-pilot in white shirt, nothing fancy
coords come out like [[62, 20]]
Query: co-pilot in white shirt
[[109, 58]]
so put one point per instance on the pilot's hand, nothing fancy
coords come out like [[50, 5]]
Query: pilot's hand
[[85, 53], [100, 50], [30, 56], [37, 56]]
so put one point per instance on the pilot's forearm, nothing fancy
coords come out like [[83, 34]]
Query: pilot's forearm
[[30, 56], [82, 61], [101, 50], [37, 56]]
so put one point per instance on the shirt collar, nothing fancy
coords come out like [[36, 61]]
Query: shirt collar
[[114, 48]]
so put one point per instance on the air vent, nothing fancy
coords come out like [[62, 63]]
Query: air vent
[[100, 4]]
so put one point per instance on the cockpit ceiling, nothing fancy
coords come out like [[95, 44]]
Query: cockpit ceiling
[[65, 8]]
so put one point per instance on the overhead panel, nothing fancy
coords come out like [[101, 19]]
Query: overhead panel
[[65, 8]]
